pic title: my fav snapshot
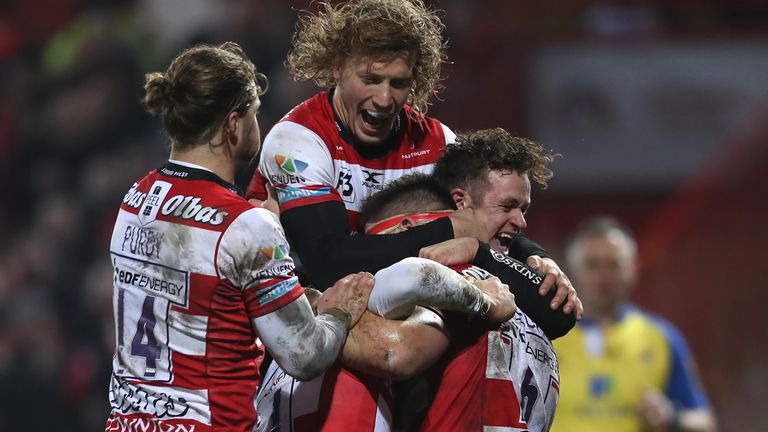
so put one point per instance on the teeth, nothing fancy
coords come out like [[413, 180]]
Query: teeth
[[505, 236], [376, 114]]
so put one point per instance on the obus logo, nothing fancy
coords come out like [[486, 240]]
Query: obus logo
[[188, 207]]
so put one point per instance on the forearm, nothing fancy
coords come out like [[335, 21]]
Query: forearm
[[523, 247], [328, 252], [524, 284], [395, 349], [302, 344], [418, 281]]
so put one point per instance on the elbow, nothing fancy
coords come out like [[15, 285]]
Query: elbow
[[304, 370], [559, 327], [402, 365]]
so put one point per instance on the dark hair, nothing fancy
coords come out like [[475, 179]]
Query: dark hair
[[201, 86], [409, 194], [466, 163], [380, 30]]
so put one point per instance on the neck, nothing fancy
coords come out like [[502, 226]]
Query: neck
[[210, 156], [604, 316]]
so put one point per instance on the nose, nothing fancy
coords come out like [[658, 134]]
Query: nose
[[382, 97], [517, 219]]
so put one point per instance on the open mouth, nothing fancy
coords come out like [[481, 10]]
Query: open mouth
[[502, 241], [374, 119]]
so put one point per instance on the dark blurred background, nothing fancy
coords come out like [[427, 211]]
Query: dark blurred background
[[659, 108]]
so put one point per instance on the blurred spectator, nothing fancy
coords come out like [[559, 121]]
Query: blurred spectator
[[622, 369]]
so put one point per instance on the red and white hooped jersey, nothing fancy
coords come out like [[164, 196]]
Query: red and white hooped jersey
[[194, 263], [339, 400], [307, 160], [494, 377]]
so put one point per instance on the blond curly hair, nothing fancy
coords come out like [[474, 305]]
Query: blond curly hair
[[379, 30]]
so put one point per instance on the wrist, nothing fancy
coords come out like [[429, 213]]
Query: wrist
[[340, 314]]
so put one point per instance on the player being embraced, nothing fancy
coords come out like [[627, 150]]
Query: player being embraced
[[355, 394], [200, 274], [491, 375]]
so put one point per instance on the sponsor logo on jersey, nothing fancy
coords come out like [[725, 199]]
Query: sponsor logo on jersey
[[142, 241], [292, 168], [372, 180], [127, 398], [276, 252], [154, 279], [415, 154], [600, 385], [279, 270], [273, 292], [290, 193], [151, 206], [134, 198], [518, 267], [189, 207]]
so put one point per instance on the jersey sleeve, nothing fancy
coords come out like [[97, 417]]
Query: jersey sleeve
[[683, 386], [450, 137], [253, 256], [297, 163]]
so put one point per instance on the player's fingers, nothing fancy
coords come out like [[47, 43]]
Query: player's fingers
[[560, 294], [534, 262], [547, 284]]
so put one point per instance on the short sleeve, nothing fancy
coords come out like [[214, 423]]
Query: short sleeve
[[298, 164], [253, 255], [450, 137], [683, 386]]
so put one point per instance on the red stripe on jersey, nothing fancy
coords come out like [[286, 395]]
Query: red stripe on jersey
[[257, 188], [255, 300]]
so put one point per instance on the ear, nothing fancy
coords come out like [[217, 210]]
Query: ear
[[407, 223], [338, 67], [231, 125], [461, 198]]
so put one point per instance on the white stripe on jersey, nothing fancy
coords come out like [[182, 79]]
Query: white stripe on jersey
[[187, 247], [187, 333]]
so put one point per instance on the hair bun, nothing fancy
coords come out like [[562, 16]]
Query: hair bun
[[158, 97]]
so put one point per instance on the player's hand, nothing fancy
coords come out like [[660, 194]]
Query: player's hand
[[657, 411], [451, 252], [553, 276], [350, 294], [501, 300], [466, 224]]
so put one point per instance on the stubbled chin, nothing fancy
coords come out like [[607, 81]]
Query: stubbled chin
[[496, 245]]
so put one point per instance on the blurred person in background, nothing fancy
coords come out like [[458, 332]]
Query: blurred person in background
[[200, 273], [380, 61], [623, 369]]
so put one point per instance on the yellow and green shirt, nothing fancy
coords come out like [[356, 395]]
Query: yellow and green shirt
[[603, 372]]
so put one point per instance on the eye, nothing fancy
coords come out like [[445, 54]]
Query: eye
[[367, 80], [401, 83]]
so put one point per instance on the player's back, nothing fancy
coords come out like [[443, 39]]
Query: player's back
[[186, 355], [494, 375]]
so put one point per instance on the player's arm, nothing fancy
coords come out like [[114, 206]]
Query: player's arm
[[396, 349], [524, 283], [299, 166], [399, 288], [304, 345]]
